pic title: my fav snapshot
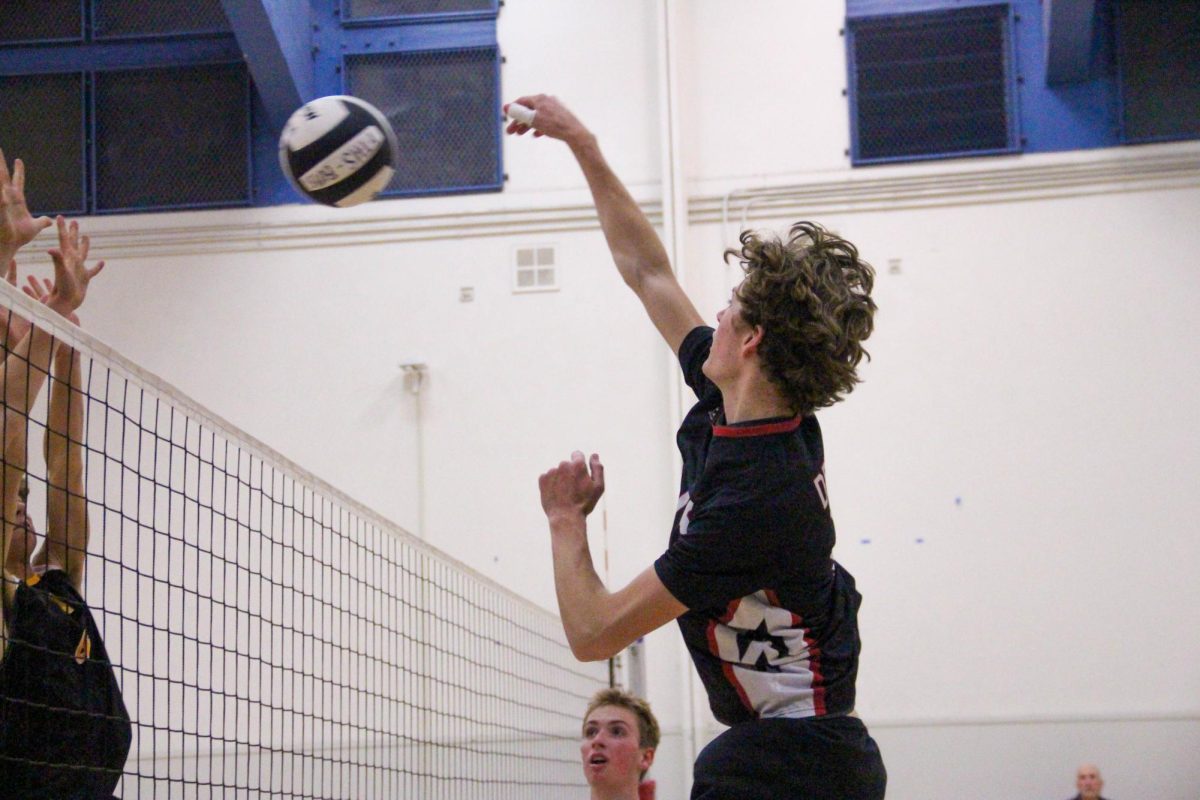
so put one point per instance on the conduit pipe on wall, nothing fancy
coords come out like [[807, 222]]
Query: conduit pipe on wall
[[414, 381], [675, 220]]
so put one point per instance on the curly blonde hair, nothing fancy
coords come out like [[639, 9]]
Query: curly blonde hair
[[812, 296]]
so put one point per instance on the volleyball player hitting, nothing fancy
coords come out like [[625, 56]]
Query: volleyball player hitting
[[769, 618], [64, 730]]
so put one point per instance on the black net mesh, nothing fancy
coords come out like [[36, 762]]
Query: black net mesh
[[172, 137], [931, 84], [357, 9], [54, 153], [122, 18], [40, 20], [443, 107], [269, 637]]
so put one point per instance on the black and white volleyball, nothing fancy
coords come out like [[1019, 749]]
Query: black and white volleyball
[[338, 150]]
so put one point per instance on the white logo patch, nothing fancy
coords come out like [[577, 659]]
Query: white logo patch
[[685, 505]]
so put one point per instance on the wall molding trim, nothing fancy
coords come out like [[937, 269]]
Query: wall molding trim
[[1002, 179]]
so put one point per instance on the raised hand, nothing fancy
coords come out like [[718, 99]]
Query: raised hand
[[551, 118], [17, 226], [71, 273], [41, 289]]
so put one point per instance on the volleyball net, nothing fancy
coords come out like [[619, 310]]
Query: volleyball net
[[272, 637]]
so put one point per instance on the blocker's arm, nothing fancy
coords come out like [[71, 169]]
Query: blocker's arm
[[67, 520]]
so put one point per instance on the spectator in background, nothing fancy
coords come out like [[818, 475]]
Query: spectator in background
[[620, 735], [1088, 782]]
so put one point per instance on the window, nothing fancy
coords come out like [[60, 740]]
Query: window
[[368, 10], [931, 85], [172, 137], [128, 105], [110, 116], [1158, 46], [443, 105]]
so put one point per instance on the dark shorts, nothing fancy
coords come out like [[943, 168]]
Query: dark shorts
[[798, 759]]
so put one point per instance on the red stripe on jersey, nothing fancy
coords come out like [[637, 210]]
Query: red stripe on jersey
[[774, 598], [786, 426], [731, 676], [814, 666], [730, 610], [726, 667]]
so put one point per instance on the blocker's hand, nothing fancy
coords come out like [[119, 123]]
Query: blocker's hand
[[17, 226], [71, 273], [551, 118], [42, 290], [573, 486]]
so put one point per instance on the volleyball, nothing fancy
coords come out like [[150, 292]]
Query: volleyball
[[338, 150]]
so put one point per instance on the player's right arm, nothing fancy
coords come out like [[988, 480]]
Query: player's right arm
[[638, 252]]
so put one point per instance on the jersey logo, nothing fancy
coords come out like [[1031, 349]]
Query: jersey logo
[[685, 517], [770, 659], [84, 651], [760, 635], [822, 488]]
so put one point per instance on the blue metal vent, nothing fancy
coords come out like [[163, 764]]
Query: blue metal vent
[[53, 153], [443, 107], [931, 85], [41, 21], [172, 138], [384, 9], [1158, 51], [117, 19]]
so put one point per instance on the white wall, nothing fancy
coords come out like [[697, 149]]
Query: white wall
[[1028, 412]]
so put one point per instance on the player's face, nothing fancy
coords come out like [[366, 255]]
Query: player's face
[[1088, 781], [725, 355], [609, 748]]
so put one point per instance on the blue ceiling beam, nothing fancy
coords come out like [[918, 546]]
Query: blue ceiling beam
[[118, 55], [276, 38], [1069, 27]]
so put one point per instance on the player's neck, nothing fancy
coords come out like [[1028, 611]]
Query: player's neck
[[614, 793], [751, 397]]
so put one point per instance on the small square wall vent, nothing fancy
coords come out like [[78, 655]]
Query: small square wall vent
[[535, 268]]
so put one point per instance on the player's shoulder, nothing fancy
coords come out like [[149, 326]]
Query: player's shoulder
[[48, 590]]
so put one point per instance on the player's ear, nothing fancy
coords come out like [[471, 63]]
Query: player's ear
[[751, 340]]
